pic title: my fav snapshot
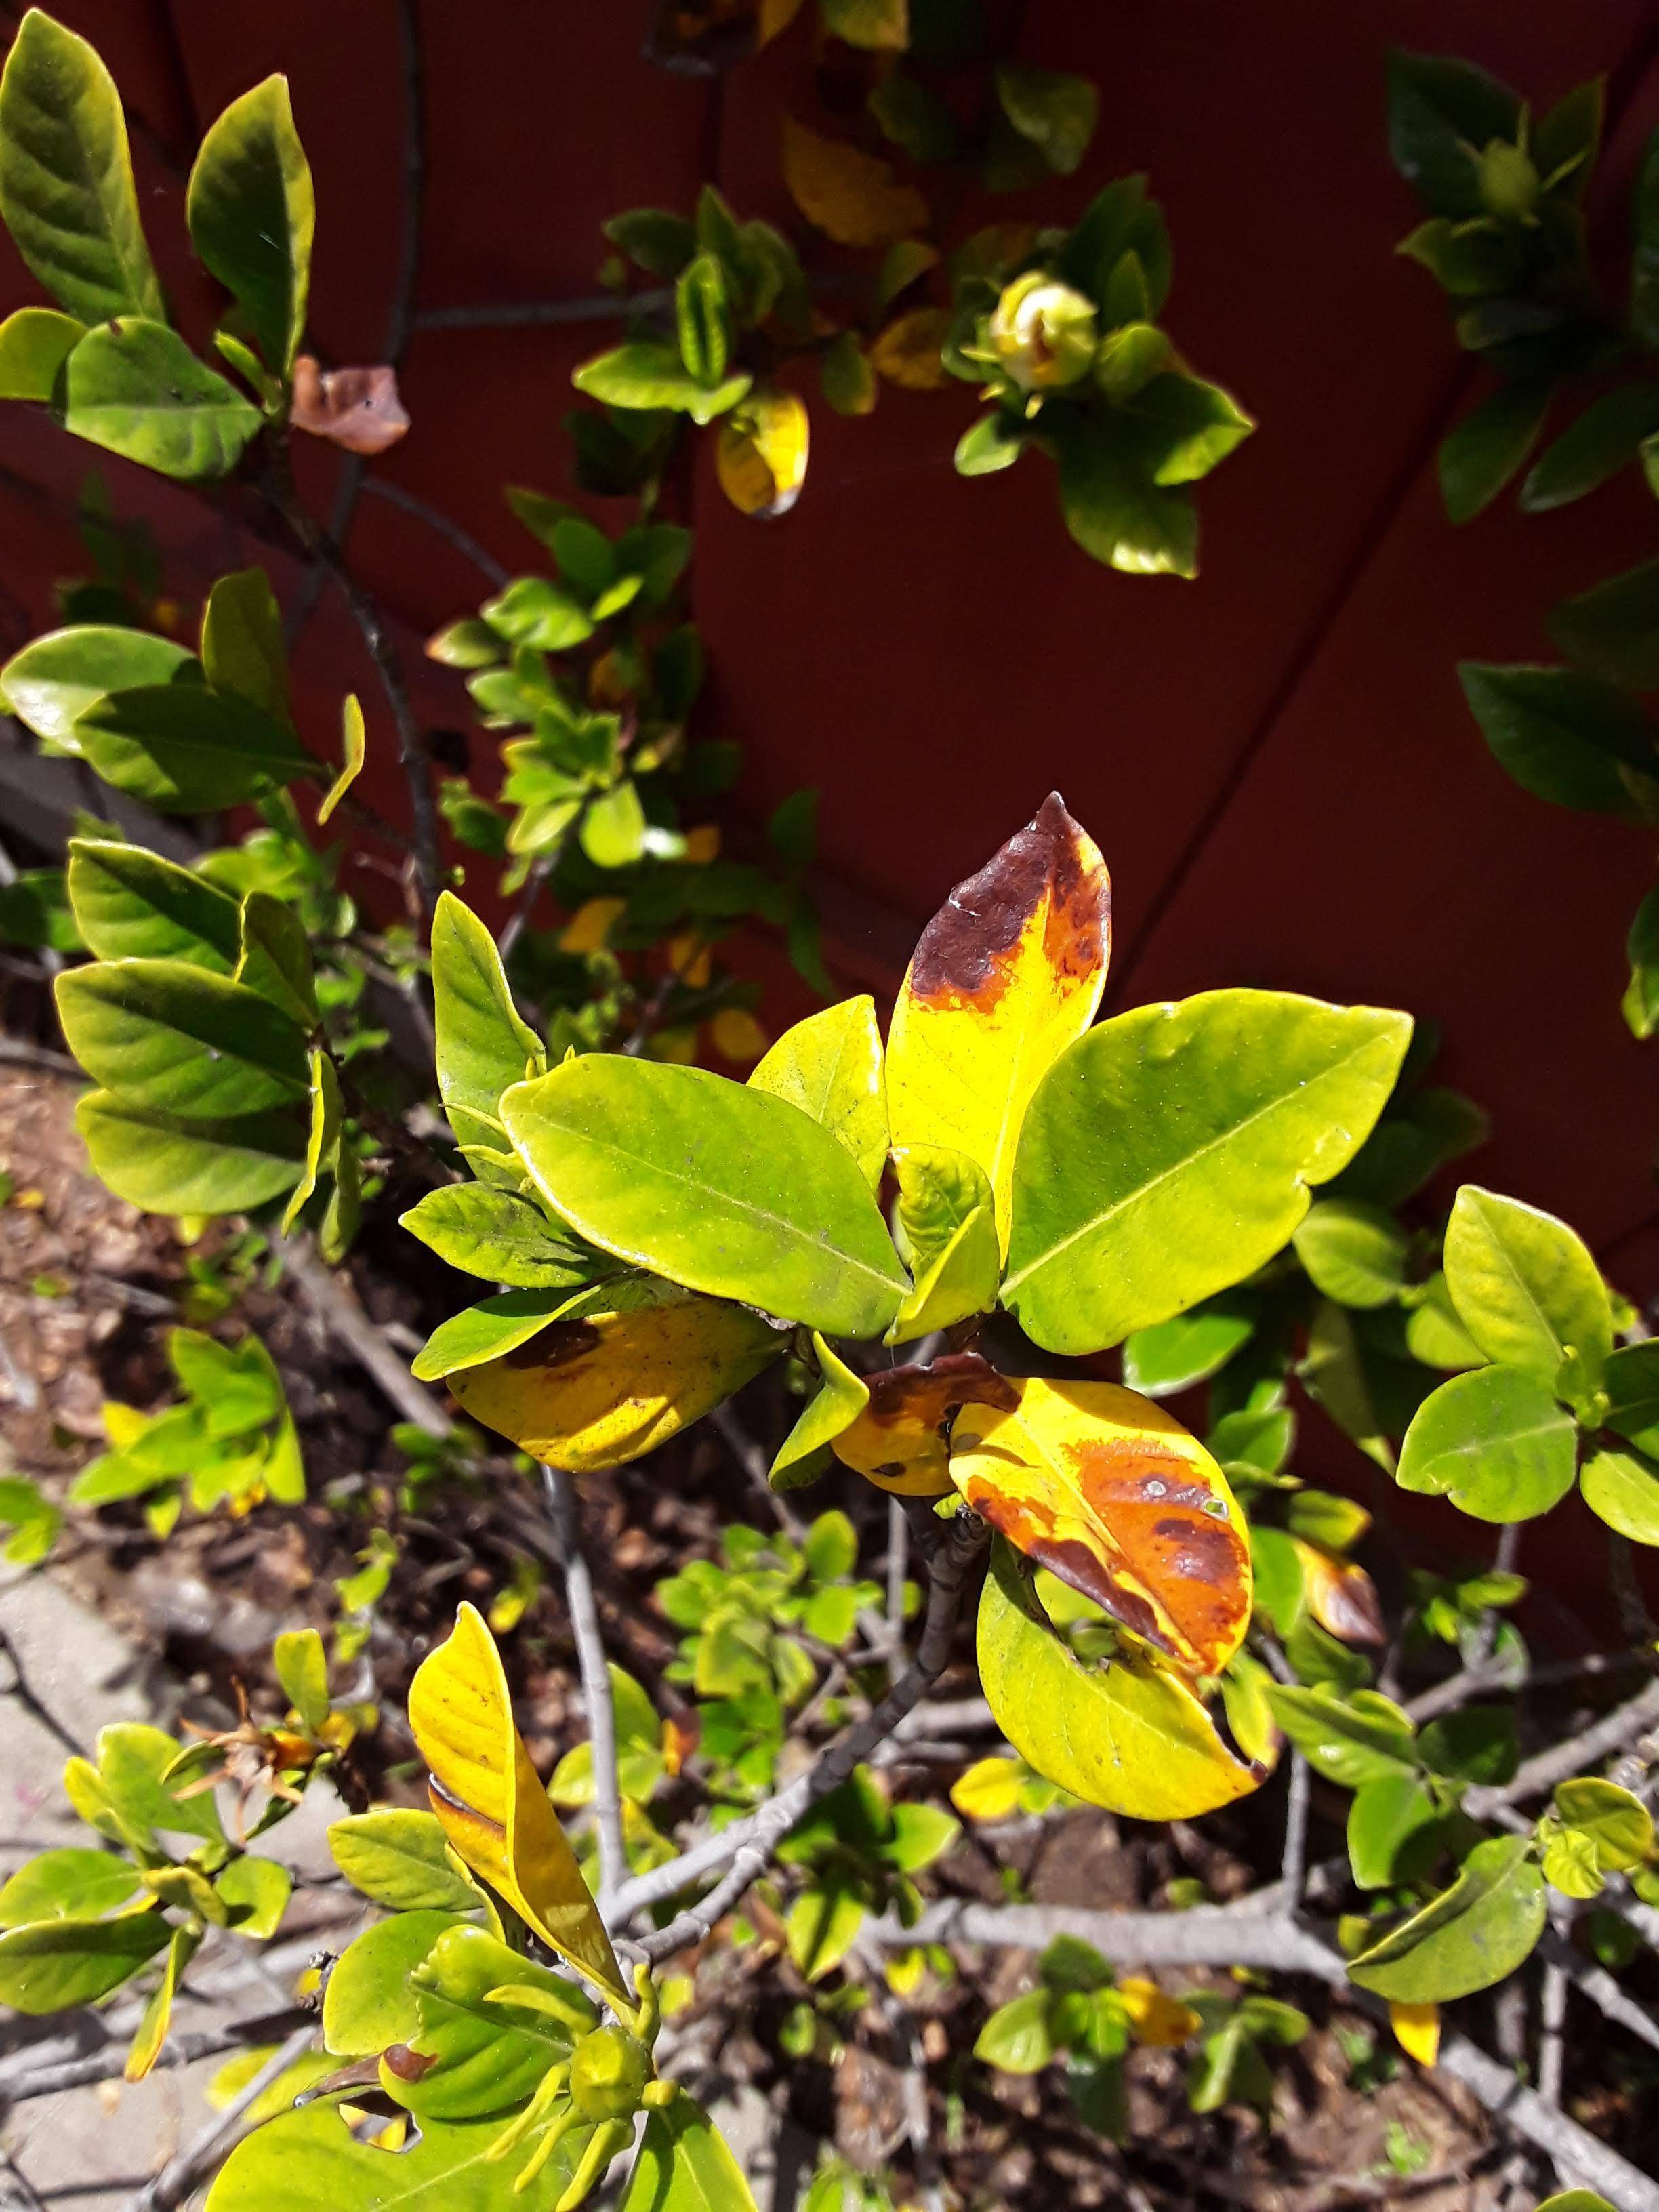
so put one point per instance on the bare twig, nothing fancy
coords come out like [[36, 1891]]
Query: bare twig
[[332, 1301], [1474, 1681], [463, 540], [20, 2190], [898, 1558], [532, 314], [1294, 1872], [752, 1459], [560, 1492], [1535, 1776], [17, 1052], [182, 2048], [747, 1846], [180, 2175]]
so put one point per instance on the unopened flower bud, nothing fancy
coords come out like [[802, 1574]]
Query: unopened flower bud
[[1510, 184], [1042, 332], [609, 2070]]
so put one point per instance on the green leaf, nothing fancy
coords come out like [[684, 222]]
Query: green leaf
[[369, 2001], [503, 1237], [237, 1385], [1561, 734], [180, 1040], [136, 389], [1495, 1442], [66, 188], [821, 1928], [72, 1884], [1394, 1830], [1353, 1740], [1353, 1253], [185, 750], [843, 1397], [1632, 1381], [831, 1066], [401, 1859], [1442, 113], [486, 1331], [484, 1046], [132, 1759], [34, 343], [1053, 111], [994, 442], [1190, 1347], [1604, 438], [309, 2160], [252, 213], [1477, 1743], [1169, 1153], [684, 2166], [1182, 428], [54, 1964], [50, 684], [1473, 1934], [1116, 516], [1613, 629], [1623, 1490], [947, 1234], [647, 374], [302, 1670], [1526, 1287], [535, 611], [1018, 2038], [1615, 1823], [1478, 457], [485, 2056], [166, 1165], [275, 962], [1131, 1738], [322, 1153], [353, 751], [723, 1188], [614, 829], [255, 1892], [130, 904], [242, 645]]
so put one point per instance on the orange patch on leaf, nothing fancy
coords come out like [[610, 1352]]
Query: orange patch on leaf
[[901, 1441]]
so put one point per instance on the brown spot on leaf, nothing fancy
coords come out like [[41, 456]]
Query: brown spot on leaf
[[557, 1346], [903, 1434], [965, 955], [357, 408]]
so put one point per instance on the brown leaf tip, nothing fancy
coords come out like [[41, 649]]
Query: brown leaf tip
[[1052, 867], [357, 408]]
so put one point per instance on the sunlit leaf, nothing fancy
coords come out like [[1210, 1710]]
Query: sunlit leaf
[[54, 1964], [151, 2031], [34, 343], [484, 1043], [599, 1390], [310, 2160], [947, 1232], [253, 213], [50, 684], [760, 453], [180, 1040], [1525, 1286], [492, 1804], [481, 2056], [841, 1397], [1131, 1737], [721, 1188], [831, 1066], [1170, 1153], [900, 1439], [71, 1884], [1473, 1934], [353, 753], [1493, 1441], [135, 388], [185, 750], [402, 1859], [167, 1165], [243, 648], [1112, 1495], [684, 2164], [132, 904], [501, 1236], [1004, 977]]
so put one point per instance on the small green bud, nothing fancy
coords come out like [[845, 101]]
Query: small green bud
[[1510, 184], [1042, 333], [609, 2071]]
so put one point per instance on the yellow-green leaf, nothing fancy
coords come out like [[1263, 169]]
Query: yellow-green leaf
[[1006, 975], [836, 1406], [853, 197], [1131, 1737], [831, 1066], [597, 1390], [152, 2030], [898, 1441], [760, 453], [355, 750], [491, 1802], [1110, 1493], [946, 1232], [323, 1141]]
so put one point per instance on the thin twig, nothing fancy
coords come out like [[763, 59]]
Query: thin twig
[[753, 1462], [182, 2048], [463, 540], [747, 1846], [561, 1495], [22, 2191], [1563, 1760], [331, 1298], [898, 1559], [529, 314], [17, 1052], [180, 2175], [1293, 1871]]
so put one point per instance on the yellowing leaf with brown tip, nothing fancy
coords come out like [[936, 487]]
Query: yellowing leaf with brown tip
[[900, 1439], [1006, 975], [599, 1390], [491, 1803], [1342, 1596], [852, 197], [1112, 1495], [760, 453]]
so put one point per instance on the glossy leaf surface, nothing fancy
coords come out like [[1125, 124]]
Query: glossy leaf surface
[[50, 684], [53, 1964], [484, 1043], [831, 1066], [1006, 975], [309, 2160], [180, 1040], [1495, 1442], [135, 388], [947, 1236], [840, 1399], [1112, 1495], [168, 1165], [1525, 1286], [401, 1858], [900, 1439], [1473, 1934], [1170, 1153], [185, 750], [685, 2165], [253, 213], [130, 904]]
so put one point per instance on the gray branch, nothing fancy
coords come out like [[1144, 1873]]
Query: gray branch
[[180, 2175], [560, 1496]]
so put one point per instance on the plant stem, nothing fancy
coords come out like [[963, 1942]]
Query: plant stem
[[331, 1300], [180, 2175], [560, 1492]]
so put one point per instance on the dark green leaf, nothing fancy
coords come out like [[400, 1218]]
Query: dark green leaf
[[1603, 439], [132, 904], [1562, 734], [1473, 1934], [186, 750], [251, 213], [1478, 458], [1613, 629]]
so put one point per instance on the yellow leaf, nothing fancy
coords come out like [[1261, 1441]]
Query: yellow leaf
[[690, 958], [831, 1066], [355, 753], [1006, 975], [898, 1441], [152, 2031], [123, 1424], [908, 352], [1417, 2031], [990, 1788], [775, 17], [589, 927], [1342, 1596], [599, 1390], [491, 1804], [760, 453], [1111, 1494], [1157, 2020], [852, 197], [736, 1034], [702, 844]]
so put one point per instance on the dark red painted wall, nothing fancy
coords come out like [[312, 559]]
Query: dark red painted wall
[[1276, 758]]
